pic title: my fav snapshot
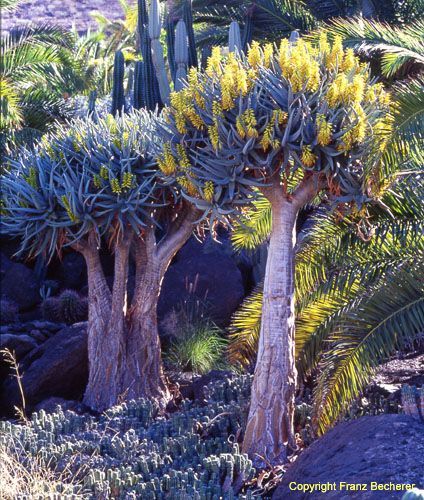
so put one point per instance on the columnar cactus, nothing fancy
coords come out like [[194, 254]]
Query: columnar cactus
[[188, 21], [118, 98], [170, 43], [181, 55], [234, 38], [155, 26]]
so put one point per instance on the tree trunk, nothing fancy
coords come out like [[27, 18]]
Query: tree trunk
[[124, 349], [269, 430]]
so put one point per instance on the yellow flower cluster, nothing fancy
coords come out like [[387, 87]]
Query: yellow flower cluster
[[208, 191], [337, 90], [268, 135], [178, 102], [187, 185], [254, 54], [184, 161], [195, 87], [167, 162], [104, 172], [116, 188], [324, 130], [67, 206], [214, 135], [214, 63], [127, 180], [268, 54], [98, 183], [308, 158], [299, 65]]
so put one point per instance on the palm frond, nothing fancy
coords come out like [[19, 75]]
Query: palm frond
[[370, 331]]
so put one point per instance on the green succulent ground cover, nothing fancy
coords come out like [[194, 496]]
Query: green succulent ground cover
[[128, 452]]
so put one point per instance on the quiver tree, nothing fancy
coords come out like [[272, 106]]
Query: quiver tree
[[292, 124], [91, 184]]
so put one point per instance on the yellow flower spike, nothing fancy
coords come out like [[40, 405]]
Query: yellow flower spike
[[208, 191], [241, 80], [347, 139], [125, 137], [358, 132], [282, 116], [308, 158], [349, 61], [226, 97], [275, 144], [268, 133], [191, 190], [268, 54], [336, 56], [324, 46], [284, 53], [254, 54], [214, 136], [195, 119], [324, 129], [116, 188], [97, 181], [251, 75], [213, 66], [184, 161], [356, 89], [240, 127], [249, 117], [104, 173]]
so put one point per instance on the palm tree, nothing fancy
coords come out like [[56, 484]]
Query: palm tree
[[270, 20], [41, 66]]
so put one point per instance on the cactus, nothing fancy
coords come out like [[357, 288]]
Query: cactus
[[206, 53], [157, 52], [72, 307], [50, 309], [234, 38], [118, 101], [91, 102], [188, 21], [170, 42], [181, 55]]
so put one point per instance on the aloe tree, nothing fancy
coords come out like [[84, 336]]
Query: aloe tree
[[359, 295], [95, 184], [294, 125]]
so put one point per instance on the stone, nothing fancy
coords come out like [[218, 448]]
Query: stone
[[212, 278], [38, 336], [59, 367], [73, 271], [380, 449], [19, 345], [21, 285], [49, 405]]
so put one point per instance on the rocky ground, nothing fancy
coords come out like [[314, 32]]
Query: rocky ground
[[381, 450], [62, 13]]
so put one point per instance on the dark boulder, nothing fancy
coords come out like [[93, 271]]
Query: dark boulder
[[384, 450], [20, 284], [18, 345], [50, 405], [59, 367], [209, 276], [73, 271]]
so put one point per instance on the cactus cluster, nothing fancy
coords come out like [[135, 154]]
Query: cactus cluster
[[128, 452], [413, 401], [69, 307]]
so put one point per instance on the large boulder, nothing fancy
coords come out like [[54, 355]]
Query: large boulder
[[372, 454], [204, 272], [58, 367], [19, 284], [18, 345], [73, 271]]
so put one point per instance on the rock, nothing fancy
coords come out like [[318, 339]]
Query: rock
[[74, 271], [185, 382], [384, 449], [213, 278], [20, 344], [21, 285], [59, 367], [38, 336], [17, 344], [49, 405]]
